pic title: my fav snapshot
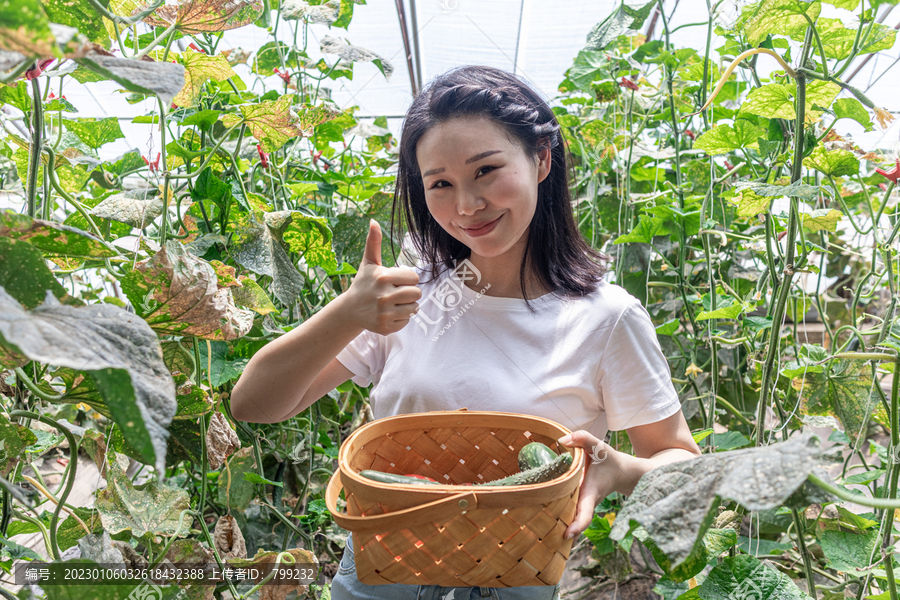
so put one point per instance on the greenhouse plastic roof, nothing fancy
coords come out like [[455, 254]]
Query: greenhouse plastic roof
[[536, 40]]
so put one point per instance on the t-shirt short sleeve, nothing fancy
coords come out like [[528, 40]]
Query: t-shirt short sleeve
[[634, 380], [364, 356]]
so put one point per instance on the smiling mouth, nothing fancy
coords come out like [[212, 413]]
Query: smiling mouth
[[482, 226]]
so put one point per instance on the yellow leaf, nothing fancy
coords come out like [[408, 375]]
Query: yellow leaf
[[198, 69]]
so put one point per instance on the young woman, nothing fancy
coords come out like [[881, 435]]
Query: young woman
[[506, 311]]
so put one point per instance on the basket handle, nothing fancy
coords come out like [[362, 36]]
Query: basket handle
[[439, 510]]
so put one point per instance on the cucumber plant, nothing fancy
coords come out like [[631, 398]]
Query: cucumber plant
[[134, 290]]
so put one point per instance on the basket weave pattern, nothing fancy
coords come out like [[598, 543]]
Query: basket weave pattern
[[455, 535]]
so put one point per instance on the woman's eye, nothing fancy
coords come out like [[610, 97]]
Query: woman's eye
[[442, 181]]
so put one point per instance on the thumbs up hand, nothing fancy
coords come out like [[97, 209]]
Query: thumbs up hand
[[381, 299]]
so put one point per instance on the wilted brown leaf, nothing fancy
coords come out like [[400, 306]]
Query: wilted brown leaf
[[178, 293], [229, 539], [221, 441], [265, 561]]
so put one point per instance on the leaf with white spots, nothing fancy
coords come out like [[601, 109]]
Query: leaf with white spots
[[119, 351], [677, 503], [348, 52]]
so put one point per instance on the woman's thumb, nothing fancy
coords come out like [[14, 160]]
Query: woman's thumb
[[372, 253]]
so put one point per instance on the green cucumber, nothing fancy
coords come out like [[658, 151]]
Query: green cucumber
[[394, 478], [540, 474], [534, 455]]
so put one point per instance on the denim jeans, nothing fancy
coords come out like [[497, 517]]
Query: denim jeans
[[345, 586]]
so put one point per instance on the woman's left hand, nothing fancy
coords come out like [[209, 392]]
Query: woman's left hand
[[601, 471]]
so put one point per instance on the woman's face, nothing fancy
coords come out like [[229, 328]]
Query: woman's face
[[479, 185]]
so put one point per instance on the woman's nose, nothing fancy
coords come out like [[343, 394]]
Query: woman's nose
[[469, 202]]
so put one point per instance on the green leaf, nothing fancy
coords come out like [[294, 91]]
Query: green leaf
[[668, 328], [268, 57], [837, 40], [258, 479], [701, 435], [17, 95], [152, 507], [14, 438], [598, 533], [257, 247], [350, 239], [851, 108], [203, 120], [725, 138], [81, 15], [587, 68], [731, 311], [225, 367], [846, 551], [844, 391], [647, 228], [728, 440], [198, 69], [836, 163], [780, 17], [53, 237], [713, 543], [676, 503], [819, 93], [616, 24], [308, 236], [193, 401], [119, 351], [742, 577], [95, 133], [252, 296], [845, 4], [748, 202], [270, 121], [178, 293], [772, 101], [821, 219], [864, 477], [759, 547], [234, 490], [25, 28], [25, 276]]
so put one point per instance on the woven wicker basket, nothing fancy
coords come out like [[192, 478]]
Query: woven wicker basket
[[450, 535]]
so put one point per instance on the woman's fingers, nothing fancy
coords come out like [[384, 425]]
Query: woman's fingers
[[580, 438], [588, 493], [584, 513]]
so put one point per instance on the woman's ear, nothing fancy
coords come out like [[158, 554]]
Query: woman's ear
[[544, 163]]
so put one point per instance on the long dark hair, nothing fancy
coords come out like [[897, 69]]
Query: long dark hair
[[562, 259]]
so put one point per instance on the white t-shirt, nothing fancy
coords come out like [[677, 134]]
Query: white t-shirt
[[591, 363]]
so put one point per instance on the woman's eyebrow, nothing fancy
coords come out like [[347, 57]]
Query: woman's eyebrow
[[468, 161]]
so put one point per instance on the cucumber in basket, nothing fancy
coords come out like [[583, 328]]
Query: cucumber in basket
[[534, 455], [394, 478], [540, 474]]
